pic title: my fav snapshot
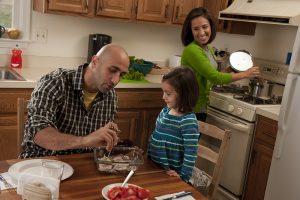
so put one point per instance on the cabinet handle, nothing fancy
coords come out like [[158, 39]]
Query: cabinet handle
[[100, 7], [177, 13], [166, 10], [86, 4], [253, 157]]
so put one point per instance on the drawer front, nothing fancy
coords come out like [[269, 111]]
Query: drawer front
[[142, 98], [8, 101]]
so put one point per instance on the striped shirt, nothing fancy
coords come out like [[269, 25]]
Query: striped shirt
[[57, 101], [174, 142]]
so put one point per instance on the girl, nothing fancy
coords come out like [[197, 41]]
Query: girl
[[174, 142]]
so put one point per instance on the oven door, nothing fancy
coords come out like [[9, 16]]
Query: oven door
[[237, 155]]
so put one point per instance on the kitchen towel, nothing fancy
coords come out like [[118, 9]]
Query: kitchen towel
[[9, 179], [189, 197]]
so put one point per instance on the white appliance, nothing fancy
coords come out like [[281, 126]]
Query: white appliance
[[175, 61], [284, 175], [283, 12], [228, 111]]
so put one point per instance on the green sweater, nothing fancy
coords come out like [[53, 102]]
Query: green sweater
[[194, 56]]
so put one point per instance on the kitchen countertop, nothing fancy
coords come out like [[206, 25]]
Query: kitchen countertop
[[32, 75], [271, 112]]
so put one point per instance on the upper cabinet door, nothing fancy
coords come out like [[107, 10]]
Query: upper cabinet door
[[154, 10], [115, 8], [182, 9], [75, 6]]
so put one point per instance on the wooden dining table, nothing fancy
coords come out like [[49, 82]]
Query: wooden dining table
[[87, 182]]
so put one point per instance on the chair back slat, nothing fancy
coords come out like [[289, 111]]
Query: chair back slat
[[208, 152]]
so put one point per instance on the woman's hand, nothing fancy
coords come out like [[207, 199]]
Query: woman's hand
[[252, 72]]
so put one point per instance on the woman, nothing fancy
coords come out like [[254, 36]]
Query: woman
[[198, 32]]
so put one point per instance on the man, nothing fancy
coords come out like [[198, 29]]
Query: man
[[71, 111]]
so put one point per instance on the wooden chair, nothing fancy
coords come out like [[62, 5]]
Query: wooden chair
[[212, 148], [21, 117]]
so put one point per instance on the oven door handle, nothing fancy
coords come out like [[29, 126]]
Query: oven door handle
[[236, 125]]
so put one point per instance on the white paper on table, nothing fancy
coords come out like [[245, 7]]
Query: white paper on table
[[188, 197], [9, 179]]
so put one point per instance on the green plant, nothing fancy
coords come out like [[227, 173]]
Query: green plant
[[133, 75], [132, 59]]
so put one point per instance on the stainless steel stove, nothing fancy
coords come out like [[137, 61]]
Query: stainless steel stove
[[242, 93], [232, 108]]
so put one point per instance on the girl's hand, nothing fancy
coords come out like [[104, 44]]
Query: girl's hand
[[172, 173]]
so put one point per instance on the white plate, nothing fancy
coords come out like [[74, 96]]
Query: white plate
[[34, 166], [240, 61], [108, 187]]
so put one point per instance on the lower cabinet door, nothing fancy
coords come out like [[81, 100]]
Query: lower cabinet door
[[259, 172]]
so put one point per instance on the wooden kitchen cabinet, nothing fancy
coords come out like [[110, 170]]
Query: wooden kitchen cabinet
[[182, 9], [65, 7], [8, 120], [161, 11], [144, 10], [154, 10], [235, 27], [115, 8], [157, 11], [261, 158], [137, 113]]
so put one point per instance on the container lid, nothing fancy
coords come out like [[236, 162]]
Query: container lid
[[241, 60]]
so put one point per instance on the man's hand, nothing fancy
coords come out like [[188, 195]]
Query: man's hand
[[107, 135]]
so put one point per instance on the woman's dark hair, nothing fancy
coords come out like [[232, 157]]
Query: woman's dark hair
[[185, 84], [186, 32]]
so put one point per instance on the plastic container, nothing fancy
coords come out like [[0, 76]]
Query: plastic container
[[16, 57], [144, 68], [120, 160], [175, 61]]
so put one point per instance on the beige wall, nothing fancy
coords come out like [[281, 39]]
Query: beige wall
[[67, 40]]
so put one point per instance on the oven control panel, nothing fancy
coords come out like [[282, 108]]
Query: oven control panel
[[272, 71], [227, 104]]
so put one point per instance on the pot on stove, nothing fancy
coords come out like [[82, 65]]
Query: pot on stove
[[266, 92], [260, 88], [256, 87]]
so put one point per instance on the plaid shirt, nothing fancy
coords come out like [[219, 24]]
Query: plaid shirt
[[57, 101]]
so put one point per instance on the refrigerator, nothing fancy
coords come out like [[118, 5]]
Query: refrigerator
[[284, 174]]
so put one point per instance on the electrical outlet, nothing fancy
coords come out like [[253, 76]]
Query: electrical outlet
[[40, 35]]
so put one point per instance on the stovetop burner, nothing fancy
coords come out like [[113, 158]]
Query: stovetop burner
[[258, 101], [241, 93], [230, 89]]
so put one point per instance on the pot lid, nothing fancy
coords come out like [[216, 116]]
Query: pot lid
[[240, 61]]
